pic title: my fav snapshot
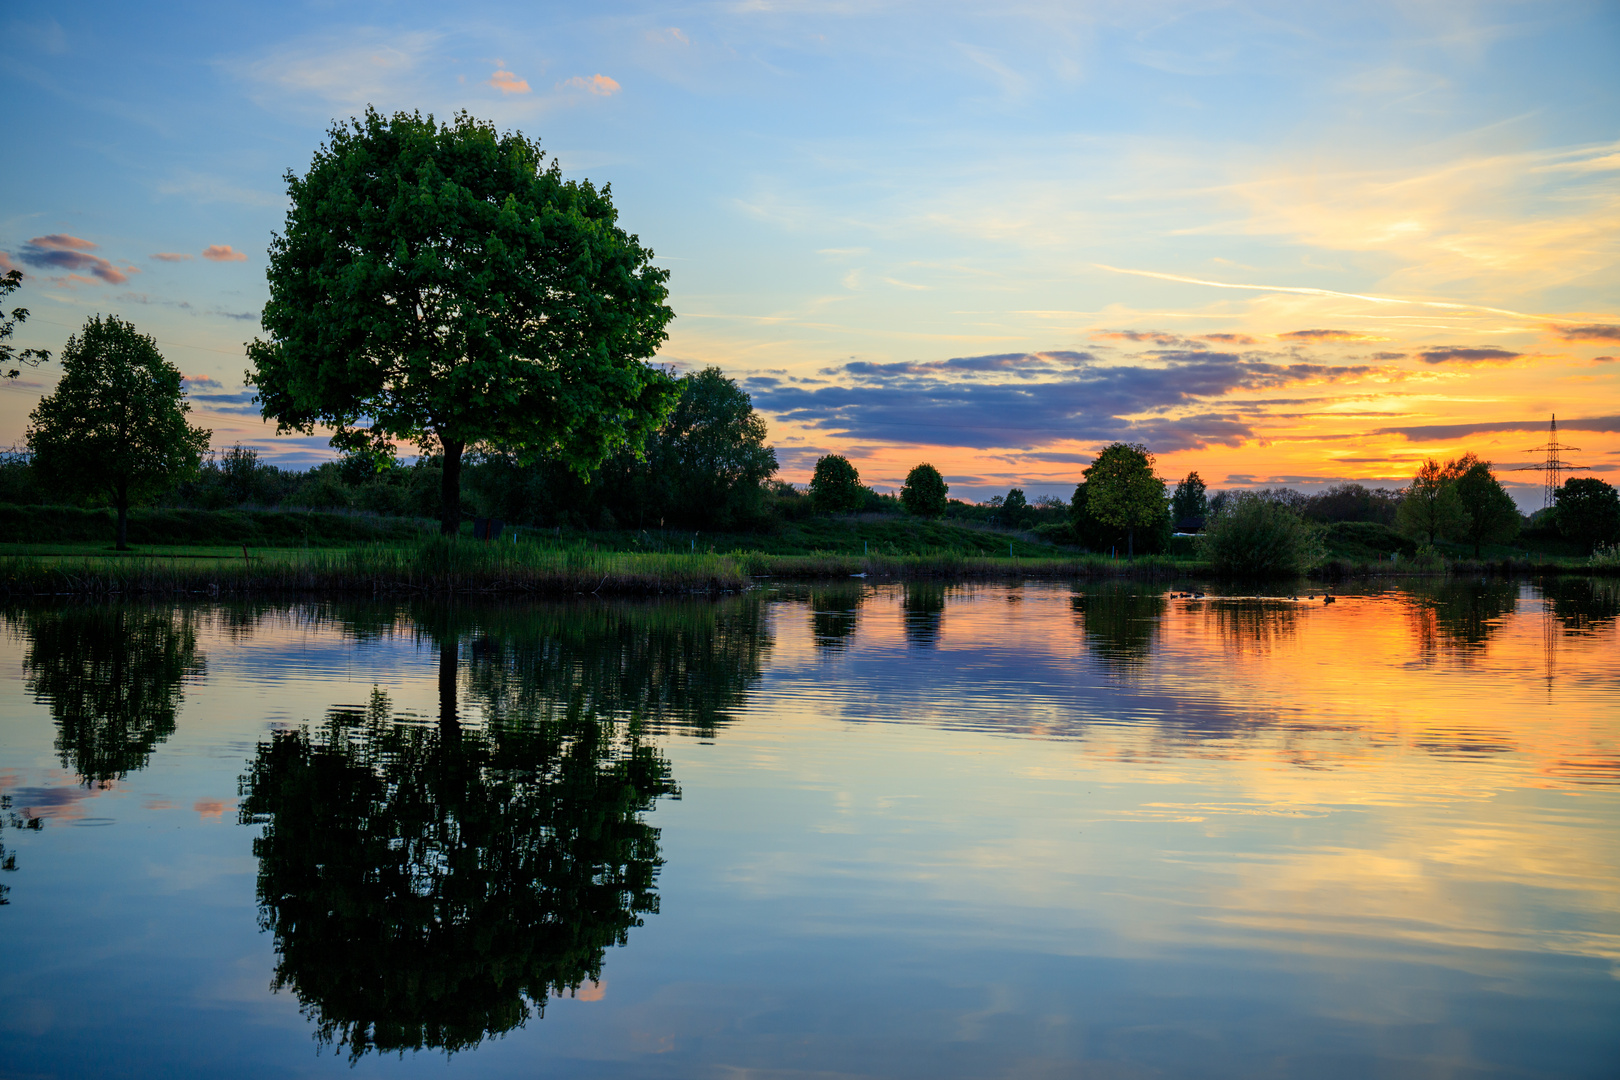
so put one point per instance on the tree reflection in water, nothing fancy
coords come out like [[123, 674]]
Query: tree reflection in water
[[922, 611], [834, 615], [1254, 624], [1459, 615], [1583, 605], [430, 885], [1120, 623], [112, 678]]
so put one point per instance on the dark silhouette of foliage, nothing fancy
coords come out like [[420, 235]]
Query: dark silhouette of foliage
[[10, 282], [925, 493], [443, 285], [1352, 503], [1490, 514], [427, 885], [1459, 615], [1430, 509], [1588, 511], [112, 678], [1189, 505], [835, 486], [1014, 509], [1123, 492], [1583, 605], [116, 423]]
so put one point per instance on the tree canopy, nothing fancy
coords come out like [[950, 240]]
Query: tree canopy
[[442, 284], [116, 423], [1490, 514], [835, 487], [925, 492], [1588, 510], [1190, 501], [10, 282], [1122, 491], [1430, 509]]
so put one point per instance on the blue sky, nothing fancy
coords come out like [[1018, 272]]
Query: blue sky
[[1278, 243]]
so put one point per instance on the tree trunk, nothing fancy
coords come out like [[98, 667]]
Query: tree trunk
[[1130, 542], [449, 725], [121, 501], [450, 489]]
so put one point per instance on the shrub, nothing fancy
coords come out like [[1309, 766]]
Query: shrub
[[1255, 537], [925, 491], [836, 486]]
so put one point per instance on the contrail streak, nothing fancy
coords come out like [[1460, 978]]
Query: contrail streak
[[1304, 291]]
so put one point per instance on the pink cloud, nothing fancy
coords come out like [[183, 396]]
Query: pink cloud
[[171, 256], [223, 253], [600, 85], [59, 251], [508, 83], [212, 809], [6, 265]]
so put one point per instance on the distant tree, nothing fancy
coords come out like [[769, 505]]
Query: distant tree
[[1123, 492], [1492, 515], [1430, 509], [1189, 502], [836, 485], [1353, 502], [1588, 511], [9, 353], [442, 285], [1014, 509], [924, 493], [709, 461], [116, 423]]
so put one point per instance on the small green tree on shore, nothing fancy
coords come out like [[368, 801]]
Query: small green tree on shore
[[116, 423], [835, 486], [1253, 536], [925, 492], [1123, 492], [1190, 500]]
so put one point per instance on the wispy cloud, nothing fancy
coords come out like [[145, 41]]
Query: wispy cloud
[[506, 82], [60, 251], [1488, 354], [600, 85], [1442, 432], [171, 256], [1328, 336], [1602, 333]]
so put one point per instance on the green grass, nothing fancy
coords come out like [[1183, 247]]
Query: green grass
[[39, 525]]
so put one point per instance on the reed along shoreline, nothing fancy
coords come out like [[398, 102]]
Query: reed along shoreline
[[438, 567]]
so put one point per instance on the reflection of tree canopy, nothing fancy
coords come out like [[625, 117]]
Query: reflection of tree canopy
[[681, 664], [111, 676], [1120, 623], [1584, 605], [922, 610], [427, 885], [1457, 614], [1254, 624], [834, 614]]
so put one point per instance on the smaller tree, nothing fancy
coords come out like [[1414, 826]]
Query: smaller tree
[[1123, 492], [1588, 510], [116, 423], [1492, 515], [1014, 509], [924, 493], [9, 353], [1253, 536], [1430, 509], [836, 486], [1190, 501]]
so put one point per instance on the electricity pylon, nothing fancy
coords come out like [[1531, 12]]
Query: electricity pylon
[[1554, 467]]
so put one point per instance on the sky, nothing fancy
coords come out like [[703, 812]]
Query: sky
[[1279, 244]]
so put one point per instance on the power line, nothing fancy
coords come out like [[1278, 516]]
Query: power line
[[1554, 467]]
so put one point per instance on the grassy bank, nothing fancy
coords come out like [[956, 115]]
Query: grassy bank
[[38, 525]]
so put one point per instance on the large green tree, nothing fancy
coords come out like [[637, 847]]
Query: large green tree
[[925, 492], [442, 284], [116, 423], [1588, 510], [1492, 515], [1122, 491]]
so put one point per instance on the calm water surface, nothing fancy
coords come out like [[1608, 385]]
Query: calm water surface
[[832, 832]]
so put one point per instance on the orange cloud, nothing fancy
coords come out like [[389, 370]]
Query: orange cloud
[[508, 83], [171, 256], [212, 809], [592, 991], [223, 253], [600, 85], [1328, 335]]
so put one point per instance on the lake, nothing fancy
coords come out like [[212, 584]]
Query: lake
[[886, 830]]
